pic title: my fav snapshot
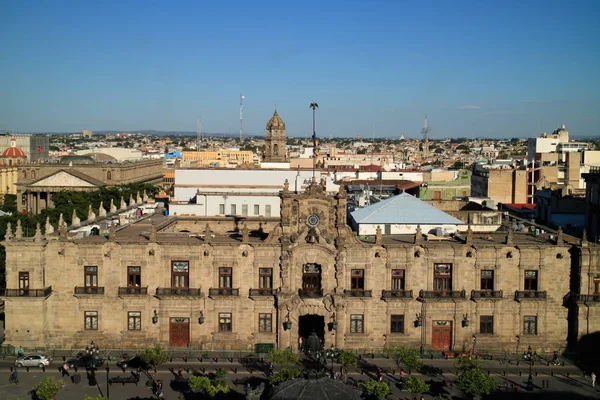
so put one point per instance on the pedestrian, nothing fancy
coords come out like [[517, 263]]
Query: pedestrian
[[180, 373], [270, 370], [402, 375], [593, 376], [20, 352], [555, 358], [300, 344], [65, 370]]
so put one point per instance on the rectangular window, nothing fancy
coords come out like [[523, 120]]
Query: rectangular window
[[531, 280], [530, 325], [91, 320], [134, 276], [265, 280], [134, 321], [233, 209], [442, 277], [397, 324], [91, 276], [356, 323], [487, 279], [256, 209], [221, 209], [267, 210], [486, 324], [397, 279], [358, 279], [264, 322], [225, 278], [180, 274], [596, 286], [244, 210], [24, 280], [224, 322]]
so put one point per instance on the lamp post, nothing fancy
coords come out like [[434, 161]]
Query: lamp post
[[530, 378], [107, 385], [332, 353], [92, 350]]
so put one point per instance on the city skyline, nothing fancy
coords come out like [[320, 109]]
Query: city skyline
[[376, 69]]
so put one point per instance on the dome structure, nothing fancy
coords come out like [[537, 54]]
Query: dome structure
[[13, 155], [275, 123], [310, 389]]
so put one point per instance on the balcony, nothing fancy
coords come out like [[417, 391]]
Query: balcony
[[26, 292], [442, 295], [133, 291], [587, 298], [212, 292], [261, 292], [178, 291], [357, 293], [310, 292], [530, 295], [486, 294], [396, 294], [91, 290]]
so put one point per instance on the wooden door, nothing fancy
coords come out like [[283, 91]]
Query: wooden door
[[441, 337], [179, 332], [437, 195]]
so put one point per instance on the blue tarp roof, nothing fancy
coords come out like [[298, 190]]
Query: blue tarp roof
[[403, 209]]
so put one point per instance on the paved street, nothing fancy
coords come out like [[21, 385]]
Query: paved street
[[551, 382]]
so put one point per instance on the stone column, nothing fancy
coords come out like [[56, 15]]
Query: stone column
[[3, 181], [37, 202], [340, 333], [49, 202]]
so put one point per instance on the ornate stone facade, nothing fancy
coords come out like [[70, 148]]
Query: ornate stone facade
[[169, 280], [275, 149]]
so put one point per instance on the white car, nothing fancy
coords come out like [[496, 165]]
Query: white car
[[37, 360]]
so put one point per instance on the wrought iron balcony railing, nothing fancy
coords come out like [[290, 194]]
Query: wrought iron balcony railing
[[223, 292], [530, 294], [127, 291], [310, 292], [98, 290], [178, 291], [397, 294], [357, 293], [26, 292], [587, 298], [442, 294], [486, 294], [261, 292]]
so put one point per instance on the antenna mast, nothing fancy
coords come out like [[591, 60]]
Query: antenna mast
[[241, 115], [198, 133], [425, 132]]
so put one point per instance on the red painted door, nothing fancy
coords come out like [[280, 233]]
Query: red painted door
[[441, 338], [437, 195], [179, 332]]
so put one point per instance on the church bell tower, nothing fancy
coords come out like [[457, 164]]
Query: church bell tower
[[275, 149]]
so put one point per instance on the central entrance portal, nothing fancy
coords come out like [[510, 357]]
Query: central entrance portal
[[311, 323]]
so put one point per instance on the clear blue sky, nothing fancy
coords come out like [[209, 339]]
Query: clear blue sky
[[483, 68]]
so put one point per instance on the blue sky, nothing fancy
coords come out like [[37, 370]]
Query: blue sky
[[476, 68]]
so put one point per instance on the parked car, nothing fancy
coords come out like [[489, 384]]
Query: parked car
[[85, 361], [38, 360], [134, 362]]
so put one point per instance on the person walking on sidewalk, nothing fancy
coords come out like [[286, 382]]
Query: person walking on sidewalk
[[593, 376]]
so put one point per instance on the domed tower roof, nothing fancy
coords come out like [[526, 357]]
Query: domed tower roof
[[275, 123], [13, 151]]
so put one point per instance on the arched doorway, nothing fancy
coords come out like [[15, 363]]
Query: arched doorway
[[310, 323]]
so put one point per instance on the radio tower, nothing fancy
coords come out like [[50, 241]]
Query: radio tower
[[425, 132], [198, 133], [241, 115]]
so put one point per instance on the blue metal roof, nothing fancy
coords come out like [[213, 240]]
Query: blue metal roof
[[403, 209]]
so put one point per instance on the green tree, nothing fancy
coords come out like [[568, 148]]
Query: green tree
[[10, 203], [155, 355], [379, 390], [283, 357], [347, 359], [416, 385], [463, 364], [284, 375], [211, 388], [407, 356], [48, 388], [473, 381]]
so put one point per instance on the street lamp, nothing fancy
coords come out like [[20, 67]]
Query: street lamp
[[332, 353], [107, 384], [530, 378], [92, 351]]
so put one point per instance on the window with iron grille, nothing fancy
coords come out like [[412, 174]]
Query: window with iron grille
[[356, 323], [23, 280], [397, 324], [358, 279], [256, 209], [221, 209], [91, 276], [264, 322], [233, 209], [180, 274], [134, 276], [225, 278], [486, 324], [134, 320], [531, 280], [265, 278], [530, 325], [442, 277], [91, 320], [225, 322], [487, 279], [397, 279]]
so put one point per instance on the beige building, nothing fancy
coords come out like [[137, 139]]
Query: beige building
[[9, 160], [37, 182], [503, 185], [219, 284], [220, 158]]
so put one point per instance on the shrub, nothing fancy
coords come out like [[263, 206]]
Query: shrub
[[416, 385], [473, 381], [211, 388], [48, 388], [284, 375], [155, 355], [407, 356], [373, 388]]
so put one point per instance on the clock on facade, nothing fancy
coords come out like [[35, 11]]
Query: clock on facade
[[313, 220]]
